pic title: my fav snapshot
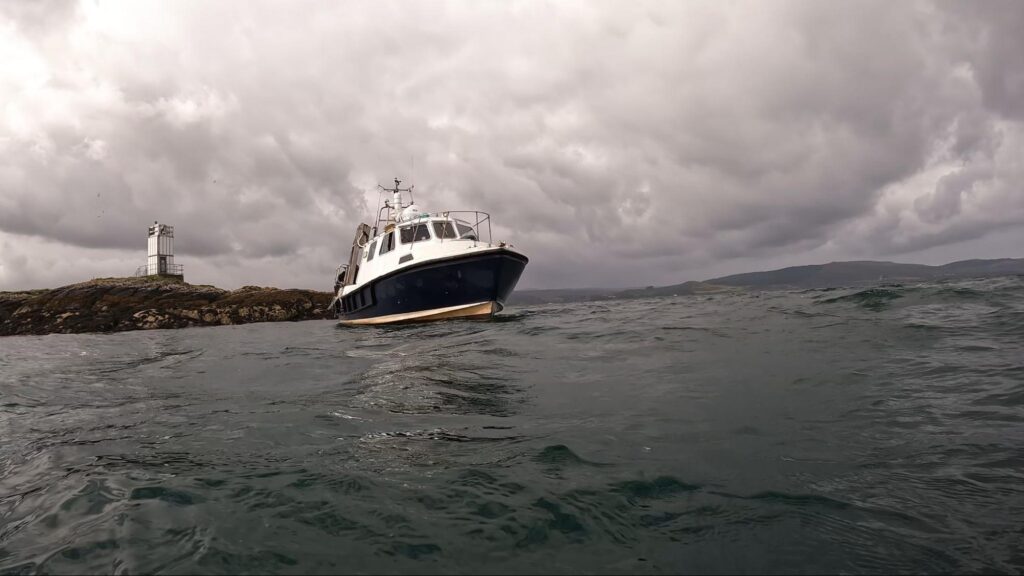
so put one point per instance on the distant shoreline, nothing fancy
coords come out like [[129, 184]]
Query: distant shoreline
[[831, 275], [146, 303]]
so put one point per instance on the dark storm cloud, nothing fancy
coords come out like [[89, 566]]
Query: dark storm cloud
[[616, 143]]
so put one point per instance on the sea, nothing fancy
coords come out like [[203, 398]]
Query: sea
[[853, 430]]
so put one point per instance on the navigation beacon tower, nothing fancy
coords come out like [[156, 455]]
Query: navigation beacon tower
[[160, 261]]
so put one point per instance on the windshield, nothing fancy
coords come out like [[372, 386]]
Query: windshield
[[445, 230], [466, 231], [417, 233]]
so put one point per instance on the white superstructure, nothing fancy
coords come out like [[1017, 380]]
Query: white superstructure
[[410, 236], [160, 258]]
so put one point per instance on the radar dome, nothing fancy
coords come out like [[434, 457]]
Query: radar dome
[[411, 212]]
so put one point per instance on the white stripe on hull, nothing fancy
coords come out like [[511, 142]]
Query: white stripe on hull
[[460, 311]]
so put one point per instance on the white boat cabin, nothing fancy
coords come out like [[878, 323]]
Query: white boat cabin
[[409, 237]]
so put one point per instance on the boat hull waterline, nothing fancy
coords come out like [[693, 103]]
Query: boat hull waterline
[[478, 310], [472, 285]]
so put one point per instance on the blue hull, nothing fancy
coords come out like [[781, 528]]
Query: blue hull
[[438, 284]]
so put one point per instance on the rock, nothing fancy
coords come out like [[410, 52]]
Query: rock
[[119, 304]]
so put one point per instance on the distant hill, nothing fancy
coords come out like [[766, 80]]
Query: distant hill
[[684, 289], [981, 268], [833, 274], [867, 272]]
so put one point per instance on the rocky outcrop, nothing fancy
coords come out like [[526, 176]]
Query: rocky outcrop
[[118, 304]]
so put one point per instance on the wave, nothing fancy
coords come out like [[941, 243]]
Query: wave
[[871, 298]]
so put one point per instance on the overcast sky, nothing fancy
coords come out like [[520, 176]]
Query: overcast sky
[[616, 143]]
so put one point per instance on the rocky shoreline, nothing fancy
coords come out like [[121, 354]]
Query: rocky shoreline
[[121, 304]]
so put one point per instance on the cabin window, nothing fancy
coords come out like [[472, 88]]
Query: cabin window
[[372, 251], [445, 230], [417, 233], [358, 299], [466, 231], [387, 244]]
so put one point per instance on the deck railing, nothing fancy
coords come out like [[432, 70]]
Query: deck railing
[[157, 270]]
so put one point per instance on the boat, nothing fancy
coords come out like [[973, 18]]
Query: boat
[[415, 266]]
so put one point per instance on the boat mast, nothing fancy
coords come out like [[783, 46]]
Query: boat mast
[[395, 204]]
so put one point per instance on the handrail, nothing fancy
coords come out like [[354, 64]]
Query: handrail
[[479, 218], [154, 270]]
